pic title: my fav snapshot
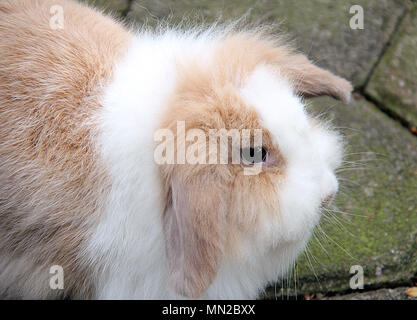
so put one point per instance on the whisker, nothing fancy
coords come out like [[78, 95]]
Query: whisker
[[337, 244], [365, 153], [307, 253], [347, 213], [358, 160], [349, 181], [350, 169], [294, 274], [275, 291], [288, 285], [333, 218], [340, 223], [318, 241]]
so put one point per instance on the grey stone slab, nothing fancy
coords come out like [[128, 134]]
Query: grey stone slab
[[381, 294], [394, 82]]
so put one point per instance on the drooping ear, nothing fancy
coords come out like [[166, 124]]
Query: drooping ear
[[311, 81], [194, 227]]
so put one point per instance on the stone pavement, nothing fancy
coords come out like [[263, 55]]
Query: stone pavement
[[375, 223], [381, 294]]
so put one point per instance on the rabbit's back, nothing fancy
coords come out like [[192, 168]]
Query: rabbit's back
[[52, 182]]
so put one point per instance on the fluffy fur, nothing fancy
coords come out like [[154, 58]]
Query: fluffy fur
[[79, 184]]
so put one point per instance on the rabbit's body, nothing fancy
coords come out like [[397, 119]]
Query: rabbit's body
[[80, 187], [50, 85]]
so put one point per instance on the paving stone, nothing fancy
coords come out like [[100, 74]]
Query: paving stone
[[381, 294], [394, 82], [320, 28]]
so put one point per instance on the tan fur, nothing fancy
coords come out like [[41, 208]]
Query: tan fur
[[244, 51], [219, 204], [51, 181]]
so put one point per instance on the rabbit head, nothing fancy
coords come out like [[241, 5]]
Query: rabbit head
[[221, 213]]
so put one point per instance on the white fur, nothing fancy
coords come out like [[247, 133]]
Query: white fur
[[129, 238]]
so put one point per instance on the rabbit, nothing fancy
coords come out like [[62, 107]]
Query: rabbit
[[86, 105]]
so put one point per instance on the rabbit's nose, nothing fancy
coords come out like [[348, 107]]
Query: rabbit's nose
[[327, 200]]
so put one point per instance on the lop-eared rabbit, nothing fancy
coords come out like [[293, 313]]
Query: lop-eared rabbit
[[85, 104]]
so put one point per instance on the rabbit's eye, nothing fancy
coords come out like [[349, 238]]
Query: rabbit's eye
[[251, 156]]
